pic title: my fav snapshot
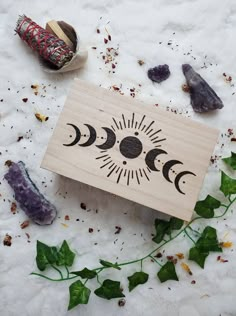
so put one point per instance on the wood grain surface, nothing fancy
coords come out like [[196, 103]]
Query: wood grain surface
[[131, 149]]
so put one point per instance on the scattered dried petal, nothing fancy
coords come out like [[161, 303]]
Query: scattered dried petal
[[13, 208], [118, 229], [41, 118], [141, 62], [98, 31], [185, 88], [94, 47], [186, 268], [121, 302], [218, 258], [180, 255], [90, 230], [158, 255], [83, 206], [193, 282], [64, 225], [7, 241], [109, 37], [223, 260], [24, 224], [25, 100], [226, 244], [8, 163], [105, 40], [67, 217], [20, 138]]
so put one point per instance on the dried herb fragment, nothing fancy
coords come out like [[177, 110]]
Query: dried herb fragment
[[141, 62], [24, 224], [121, 302], [186, 268], [41, 117], [7, 241], [20, 138], [83, 206], [13, 208], [25, 100]]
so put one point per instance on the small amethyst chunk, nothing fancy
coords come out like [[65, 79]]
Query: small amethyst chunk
[[159, 73], [203, 97], [32, 202]]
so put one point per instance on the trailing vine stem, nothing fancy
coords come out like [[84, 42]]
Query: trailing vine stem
[[149, 255]]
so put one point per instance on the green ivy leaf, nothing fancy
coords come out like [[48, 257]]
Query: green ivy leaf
[[228, 185], [109, 289], [197, 255], [167, 272], [231, 161], [208, 240], [136, 279], [45, 255], [65, 255], [109, 264], [85, 273], [161, 229], [205, 208], [176, 223], [164, 227], [79, 294]]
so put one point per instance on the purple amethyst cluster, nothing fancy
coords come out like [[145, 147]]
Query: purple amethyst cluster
[[32, 202], [159, 73]]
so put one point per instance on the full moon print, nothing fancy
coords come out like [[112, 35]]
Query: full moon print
[[127, 136]]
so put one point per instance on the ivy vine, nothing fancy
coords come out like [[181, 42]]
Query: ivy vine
[[165, 232]]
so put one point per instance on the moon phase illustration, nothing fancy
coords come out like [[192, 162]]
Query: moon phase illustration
[[77, 135], [111, 139], [167, 166], [151, 156], [128, 134]]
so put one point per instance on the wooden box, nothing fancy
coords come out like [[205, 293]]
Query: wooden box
[[131, 149]]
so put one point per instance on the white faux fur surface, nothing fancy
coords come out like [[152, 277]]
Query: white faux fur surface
[[173, 32]]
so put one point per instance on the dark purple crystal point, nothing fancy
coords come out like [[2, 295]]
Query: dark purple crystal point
[[32, 202], [203, 97], [159, 73]]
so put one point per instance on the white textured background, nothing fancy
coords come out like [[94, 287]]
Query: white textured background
[[201, 33]]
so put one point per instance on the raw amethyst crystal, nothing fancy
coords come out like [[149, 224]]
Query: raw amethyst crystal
[[203, 97], [159, 73], [32, 202]]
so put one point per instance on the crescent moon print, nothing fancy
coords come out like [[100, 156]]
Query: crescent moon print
[[132, 139], [77, 135]]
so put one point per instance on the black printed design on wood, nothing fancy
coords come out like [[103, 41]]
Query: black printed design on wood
[[126, 136]]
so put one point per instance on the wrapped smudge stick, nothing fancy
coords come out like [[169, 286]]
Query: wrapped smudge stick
[[32, 202], [203, 97], [55, 54]]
